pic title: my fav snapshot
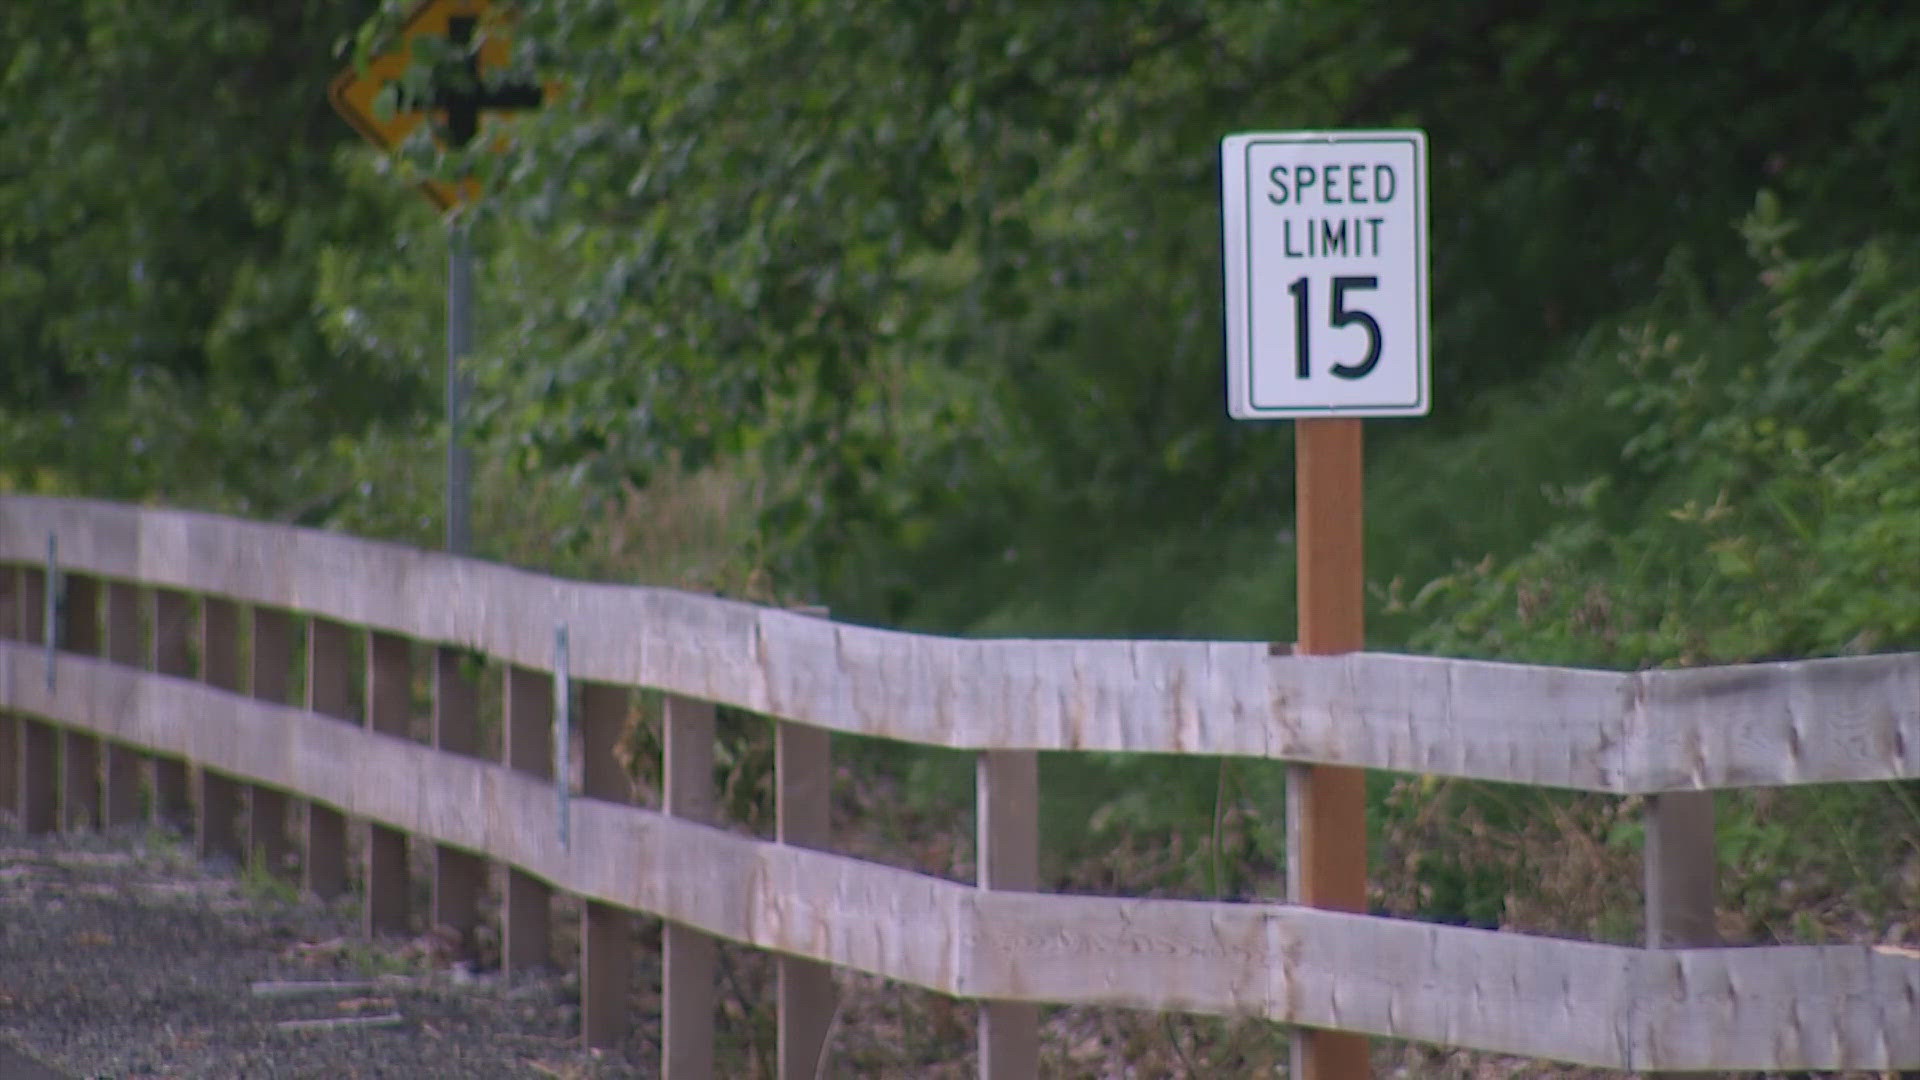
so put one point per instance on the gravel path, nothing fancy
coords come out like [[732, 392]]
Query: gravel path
[[121, 956]]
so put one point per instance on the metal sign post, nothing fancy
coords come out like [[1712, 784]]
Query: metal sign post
[[457, 106], [459, 342]]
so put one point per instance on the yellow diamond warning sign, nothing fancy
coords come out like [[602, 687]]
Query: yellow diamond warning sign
[[459, 99]]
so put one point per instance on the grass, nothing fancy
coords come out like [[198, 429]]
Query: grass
[[263, 882]]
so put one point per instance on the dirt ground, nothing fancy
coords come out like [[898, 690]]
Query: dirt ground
[[122, 956]]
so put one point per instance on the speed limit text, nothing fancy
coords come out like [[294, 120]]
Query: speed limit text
[[1351, 234]]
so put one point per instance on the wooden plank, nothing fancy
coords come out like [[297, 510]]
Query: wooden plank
[[459, 877], [1791, 1007], [38, 793], [1681, 868], [323, 860], [1222, 959], [10, 749], [456, 702], [606, 962], [1682, 871], [389, 671], [125, 641], [527, 744], [1007, 809], [10, 763], [36, 781], [270, 678], [1617, 732], [174, 627], [803, 790], [525, 919], [271, 659], [606, 932], [1793, 722], [601, 719], [79, 752], [216, 829], [335, 1023], [1326, 804], [81, 629], [281, 988], [122, 767], [1783, 1008], [687, 955], [1480, 989]]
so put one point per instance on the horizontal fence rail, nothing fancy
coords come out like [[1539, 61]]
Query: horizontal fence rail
[[1798, 722], [1817, 1007], [1674, 735]]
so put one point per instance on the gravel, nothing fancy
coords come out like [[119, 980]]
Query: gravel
[[123, 956]]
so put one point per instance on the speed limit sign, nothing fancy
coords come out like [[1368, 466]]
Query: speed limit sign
[[1326, 269]]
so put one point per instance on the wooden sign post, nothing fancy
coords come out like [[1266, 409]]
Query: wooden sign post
[[1326, 804], [1325, 248]]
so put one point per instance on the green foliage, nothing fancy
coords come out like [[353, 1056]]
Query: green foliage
[[166, 191], [944, 278], [949, 274], [1812, 864], [1765, 505], [913, 309], [265, 884]]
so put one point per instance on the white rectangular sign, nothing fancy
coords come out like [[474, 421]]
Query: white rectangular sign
[[1326, 267]]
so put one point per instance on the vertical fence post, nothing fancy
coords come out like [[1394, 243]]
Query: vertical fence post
[[37, 785], [270, 678], [527, 745], [123, 764], [1327, 806], [459, 877], [1681, 868], [218, 833], [79, 751], [562, 738], [330, 693], [389, 709], [687, 954], [172, 644], [803, 784], [10, 750], [1007, 811], [606, 933]]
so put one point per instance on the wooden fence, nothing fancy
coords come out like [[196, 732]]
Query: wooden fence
[[168, 680]]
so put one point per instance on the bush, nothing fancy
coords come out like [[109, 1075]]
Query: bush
[[1767, 505]]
